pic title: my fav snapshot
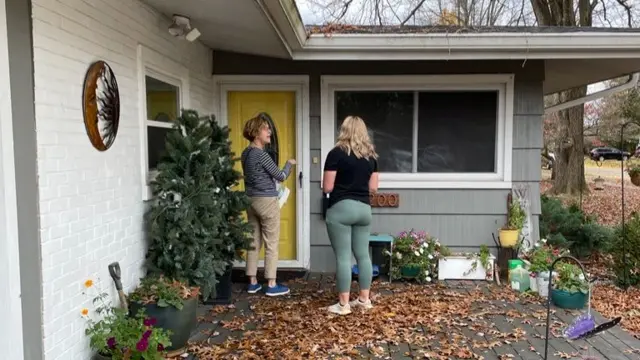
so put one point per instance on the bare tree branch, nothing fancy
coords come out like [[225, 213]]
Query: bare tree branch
[[413, 12]]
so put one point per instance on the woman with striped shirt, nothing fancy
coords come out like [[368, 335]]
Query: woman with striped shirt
[[260, 174]]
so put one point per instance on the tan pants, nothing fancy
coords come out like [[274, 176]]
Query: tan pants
[[264, 216]]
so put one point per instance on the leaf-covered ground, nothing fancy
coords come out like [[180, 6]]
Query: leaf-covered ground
[[479, 321], [605, 204]]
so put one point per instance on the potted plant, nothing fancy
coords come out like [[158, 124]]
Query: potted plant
[[540, 258], [237, 233], [113, 334], [510, 233], [477, 266], [571, 288], [172, 303], [634, 174], [194, 221], [415, 256]]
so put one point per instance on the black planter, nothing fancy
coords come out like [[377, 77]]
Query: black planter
[[223, 291], [179, 322]]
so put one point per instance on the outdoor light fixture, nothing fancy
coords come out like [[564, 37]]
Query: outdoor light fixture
[[181, 27]]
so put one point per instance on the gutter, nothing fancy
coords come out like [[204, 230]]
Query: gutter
[[632, 82]]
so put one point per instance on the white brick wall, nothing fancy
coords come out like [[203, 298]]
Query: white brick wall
[[91, 202]]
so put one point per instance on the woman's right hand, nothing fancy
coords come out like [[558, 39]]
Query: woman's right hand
[[292, 161]]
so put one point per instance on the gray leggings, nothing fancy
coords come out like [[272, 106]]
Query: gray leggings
[[349, 225]]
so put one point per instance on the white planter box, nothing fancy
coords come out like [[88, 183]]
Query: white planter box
[[457, 267]]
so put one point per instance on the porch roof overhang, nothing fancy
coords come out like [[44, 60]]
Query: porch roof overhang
[[274, 28]]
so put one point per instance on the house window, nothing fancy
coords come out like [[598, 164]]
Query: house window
[[429, 131], [163, 107]]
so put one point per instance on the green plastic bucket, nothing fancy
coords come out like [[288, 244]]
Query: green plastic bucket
[[514, 263]]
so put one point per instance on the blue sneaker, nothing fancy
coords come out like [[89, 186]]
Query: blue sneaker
[[277, 290], [254, 288]]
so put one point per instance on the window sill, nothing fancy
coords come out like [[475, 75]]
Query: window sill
[[440, 184]]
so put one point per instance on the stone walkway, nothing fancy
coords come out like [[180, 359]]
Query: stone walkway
[[500, 325]]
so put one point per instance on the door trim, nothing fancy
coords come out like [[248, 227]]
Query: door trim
[[299, 84]]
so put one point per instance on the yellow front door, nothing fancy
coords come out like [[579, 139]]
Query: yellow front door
[[281, 107]]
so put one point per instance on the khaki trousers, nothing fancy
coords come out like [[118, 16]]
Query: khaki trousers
[[264, 216]]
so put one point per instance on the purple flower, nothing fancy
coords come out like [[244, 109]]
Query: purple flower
[[142, 345], [149, 321], [111, 342], [160, 347], [146, 335]]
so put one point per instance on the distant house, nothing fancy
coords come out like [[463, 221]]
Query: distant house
[[456, 115]]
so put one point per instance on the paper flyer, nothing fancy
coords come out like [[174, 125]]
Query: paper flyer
[[283, 194]]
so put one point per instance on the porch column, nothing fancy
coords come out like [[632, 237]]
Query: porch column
[[20, 259]]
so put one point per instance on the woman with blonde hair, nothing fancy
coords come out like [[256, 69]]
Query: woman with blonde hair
[[260, 174], [350, 174]]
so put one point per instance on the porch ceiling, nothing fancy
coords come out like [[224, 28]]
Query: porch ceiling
[[562, 74], [238, 25]]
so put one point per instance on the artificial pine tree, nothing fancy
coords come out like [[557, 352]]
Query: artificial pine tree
[[188, 220]]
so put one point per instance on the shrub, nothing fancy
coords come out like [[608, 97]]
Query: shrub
[[568, 227], [630, 251]]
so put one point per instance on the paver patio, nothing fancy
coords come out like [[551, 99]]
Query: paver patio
[[455, 319]]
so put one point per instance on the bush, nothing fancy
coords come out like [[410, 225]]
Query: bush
[[630, 250], [568, 227]]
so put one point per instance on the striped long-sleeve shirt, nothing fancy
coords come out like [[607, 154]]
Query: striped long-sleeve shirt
[[260, 171]]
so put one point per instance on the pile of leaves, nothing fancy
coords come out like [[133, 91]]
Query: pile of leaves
[[611, 301], [442, 322]]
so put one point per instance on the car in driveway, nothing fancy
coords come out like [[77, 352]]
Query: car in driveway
[[608, 153]]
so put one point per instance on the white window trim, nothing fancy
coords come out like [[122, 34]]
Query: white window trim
[[503, 83], [155, 65]]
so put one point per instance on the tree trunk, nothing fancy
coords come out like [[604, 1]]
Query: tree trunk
[[569, 169]]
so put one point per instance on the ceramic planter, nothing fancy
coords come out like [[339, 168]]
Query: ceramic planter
[[179, 322], [533, 282], [542, 282], [509, 238], [566, 300], [456, 267], [409, 272]]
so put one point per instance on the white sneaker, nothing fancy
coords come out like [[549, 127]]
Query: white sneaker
[[358, 303], [340, 309]]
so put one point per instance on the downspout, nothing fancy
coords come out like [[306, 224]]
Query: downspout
[[632, 82]]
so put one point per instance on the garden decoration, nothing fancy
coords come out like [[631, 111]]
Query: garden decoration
[[583, 326], [114, 271]]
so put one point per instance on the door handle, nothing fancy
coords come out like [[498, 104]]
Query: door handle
[[300, 178]]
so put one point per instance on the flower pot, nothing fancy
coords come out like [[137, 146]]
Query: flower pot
[[566, 300], [635, 179], [179, 322], [533, 282], [509, 238], [98, 356], [458, 267], [409, 272], [223, 290]]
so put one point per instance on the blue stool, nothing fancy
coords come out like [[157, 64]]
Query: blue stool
[[375, 268]]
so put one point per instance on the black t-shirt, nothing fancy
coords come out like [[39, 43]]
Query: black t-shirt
[[352, 176]]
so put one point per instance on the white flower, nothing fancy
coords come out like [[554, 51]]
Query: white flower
[[216, 190], [428, 279], [398, 255], [426, 272], [424, 244], [544, 241], [421, 250], [581, 277], [417, 253], [430, 257], [537, 245]]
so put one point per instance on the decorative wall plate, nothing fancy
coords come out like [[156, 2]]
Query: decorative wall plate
[[101, 105]]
